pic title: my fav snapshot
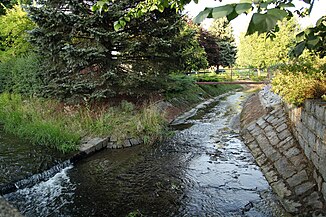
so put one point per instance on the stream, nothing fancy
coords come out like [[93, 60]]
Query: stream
[[204, 169]]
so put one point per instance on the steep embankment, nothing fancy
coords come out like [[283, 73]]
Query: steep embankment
[[267, 133]]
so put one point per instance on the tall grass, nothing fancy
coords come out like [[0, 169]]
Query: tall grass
[[48, 122]]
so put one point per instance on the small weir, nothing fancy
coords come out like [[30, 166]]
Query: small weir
[[203, 170]]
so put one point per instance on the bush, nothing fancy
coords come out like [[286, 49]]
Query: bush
[[302, 79], [13, 33], [20, 75]]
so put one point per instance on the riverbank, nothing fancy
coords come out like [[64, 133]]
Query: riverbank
[[63, 127], [267, 132]]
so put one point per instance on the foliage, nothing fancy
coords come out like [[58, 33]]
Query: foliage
[[48, 122], [183, 92], [86, 58], [209, 43], [13, 33], [20, 75], [193, 56], [266, 15], [260, 52], [8, 4], [300, 80], [312, 38], [222, 30], [178, 83]]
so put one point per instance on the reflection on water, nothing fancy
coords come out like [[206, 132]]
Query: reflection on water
[[204, 170]]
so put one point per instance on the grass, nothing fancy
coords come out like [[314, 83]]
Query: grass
[[58, 125], [226, 76], [50, 123], [191, 94]]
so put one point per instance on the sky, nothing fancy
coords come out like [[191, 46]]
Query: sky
[[240, 24]]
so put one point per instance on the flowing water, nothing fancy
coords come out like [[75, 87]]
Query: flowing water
[[203, 170]]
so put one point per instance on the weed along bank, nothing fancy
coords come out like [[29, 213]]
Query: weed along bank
[[289, 145]]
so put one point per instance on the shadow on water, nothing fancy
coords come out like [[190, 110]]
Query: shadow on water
[[204, 170]]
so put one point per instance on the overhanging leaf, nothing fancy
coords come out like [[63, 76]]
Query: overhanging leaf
[[261, 23], [300, 36], [278, 13], [222, 11], [242, 7], [297, 51], [312, 41], [202, 15]]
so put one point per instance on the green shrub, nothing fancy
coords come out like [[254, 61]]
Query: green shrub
[[296, 87], [20, 75], [303, 78], [13, 33]]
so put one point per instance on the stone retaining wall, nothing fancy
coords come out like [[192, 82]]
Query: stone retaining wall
[[281, 158], [309, 127]]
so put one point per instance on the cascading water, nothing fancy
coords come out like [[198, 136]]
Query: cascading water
[[45, 198], [203, 170]]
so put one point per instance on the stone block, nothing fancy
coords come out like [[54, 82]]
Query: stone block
[[315, 159], [126, 143], [251, 127], [286, 142], [320, 111], [267, 167], [307, 151], [256, 152], [298, 178], [271, 176], [135, 142], [276, 121], [253, 145], [247, 137], [304, 187], [280, 189], [284, 134], [261, 160], [322, 166], [314, 200], [274, 156], [88, 148], [299, 161], [323, 190], [320, 129], [255, 132], [319, 180], [268, 128], [113, 139], [285, 168], [291, 206], [269, 118], [274, 141], [271, 134], [282, 127], [292, 152], [304, 131], [261, 122], [110, 145], [307, 105], [262, 141], [311, 122], [311, 139]]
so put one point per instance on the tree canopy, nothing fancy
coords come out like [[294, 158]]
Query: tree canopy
[[86, 58], [258, 51], [266, 14]]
